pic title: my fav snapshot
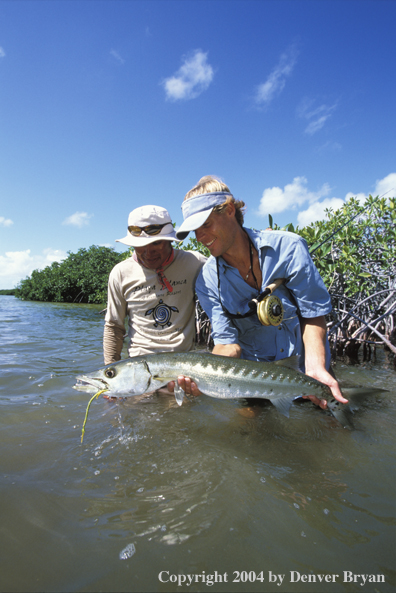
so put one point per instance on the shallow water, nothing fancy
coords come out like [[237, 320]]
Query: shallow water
[[157, 492]]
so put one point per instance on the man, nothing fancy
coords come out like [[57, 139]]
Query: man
[[154, 288], [243, 263]]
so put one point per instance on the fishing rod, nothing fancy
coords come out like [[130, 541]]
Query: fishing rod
[[267, 306], [347, 222]]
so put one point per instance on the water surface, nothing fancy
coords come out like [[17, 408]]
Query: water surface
[[160, 490]]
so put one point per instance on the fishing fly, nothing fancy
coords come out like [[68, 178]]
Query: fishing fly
[[87, 410]]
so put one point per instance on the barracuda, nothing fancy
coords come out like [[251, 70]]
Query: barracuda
[[217, 376]]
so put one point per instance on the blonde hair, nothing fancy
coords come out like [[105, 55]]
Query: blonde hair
[[209, 184]]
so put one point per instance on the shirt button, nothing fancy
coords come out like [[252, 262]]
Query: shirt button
[[279, 327], [281, 349]]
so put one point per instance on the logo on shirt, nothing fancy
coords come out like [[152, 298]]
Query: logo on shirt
[[162, 314]]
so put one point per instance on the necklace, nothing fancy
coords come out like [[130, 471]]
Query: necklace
[[251, 264], [226, 312], [250, 267]]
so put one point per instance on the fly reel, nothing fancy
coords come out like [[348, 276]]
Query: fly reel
[[270, 310]]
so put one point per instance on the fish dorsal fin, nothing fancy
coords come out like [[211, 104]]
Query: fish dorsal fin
[[282, 404], [292, 362]]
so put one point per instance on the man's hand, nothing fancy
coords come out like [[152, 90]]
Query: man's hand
[[233, 350], [325, 377], [188, 386], [314, 338]]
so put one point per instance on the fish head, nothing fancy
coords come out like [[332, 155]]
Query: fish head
[[127, 378]]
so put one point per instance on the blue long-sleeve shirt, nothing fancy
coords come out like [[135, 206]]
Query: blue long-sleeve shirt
[[281, 255]]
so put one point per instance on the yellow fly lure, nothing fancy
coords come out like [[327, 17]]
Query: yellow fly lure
[[87, 410]]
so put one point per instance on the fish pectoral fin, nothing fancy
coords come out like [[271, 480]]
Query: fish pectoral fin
[[164, 379], [179, 394], [341, 412], [282, 404]]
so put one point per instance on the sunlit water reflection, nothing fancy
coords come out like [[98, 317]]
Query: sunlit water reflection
[[189, 490]]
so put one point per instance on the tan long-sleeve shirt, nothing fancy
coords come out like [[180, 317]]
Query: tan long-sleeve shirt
[[158, 320]]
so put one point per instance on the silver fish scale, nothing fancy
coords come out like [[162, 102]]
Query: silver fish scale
[[217, 376], [225, 377]]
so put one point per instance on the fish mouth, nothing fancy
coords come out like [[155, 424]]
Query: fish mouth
[[90, 384]]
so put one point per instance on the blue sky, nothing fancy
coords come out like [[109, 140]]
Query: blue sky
[[108, 105]]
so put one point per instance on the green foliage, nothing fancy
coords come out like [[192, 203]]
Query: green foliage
[[358, 260], [81, 278], [354, 249], [194, 245], [127, 253], [289, 227], [7, 291], [361, 257]]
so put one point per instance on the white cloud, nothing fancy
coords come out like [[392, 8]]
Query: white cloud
[[193, 77], [276, 81], [296, 195], [16, 265], [78, 219], [2, 53], [329, 146], [317, 211], [316, 116], [387, 184], [293, 195], [5, 221], [385, 187], [114, 53]]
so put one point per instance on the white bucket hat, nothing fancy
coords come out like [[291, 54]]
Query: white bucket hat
[[146, 216]]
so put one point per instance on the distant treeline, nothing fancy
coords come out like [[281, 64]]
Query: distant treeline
[[81, 278], [354, 249], [9, 292]]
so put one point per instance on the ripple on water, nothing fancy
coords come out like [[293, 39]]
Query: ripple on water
[[199, 484], [166, 481]]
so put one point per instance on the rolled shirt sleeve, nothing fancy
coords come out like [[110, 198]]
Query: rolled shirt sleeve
[[303, 279], [114, 328], [303, 294]]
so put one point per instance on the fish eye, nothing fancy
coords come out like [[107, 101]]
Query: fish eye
[[110, 373]]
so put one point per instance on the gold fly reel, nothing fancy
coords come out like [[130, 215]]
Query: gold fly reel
[[270, 310]]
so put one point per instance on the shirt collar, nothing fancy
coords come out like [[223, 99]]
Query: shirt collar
[[259, 239]]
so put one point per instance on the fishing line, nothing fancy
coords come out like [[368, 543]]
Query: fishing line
[[87, 410], [347, 222]]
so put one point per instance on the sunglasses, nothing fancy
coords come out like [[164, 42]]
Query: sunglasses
[[151, 229]]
